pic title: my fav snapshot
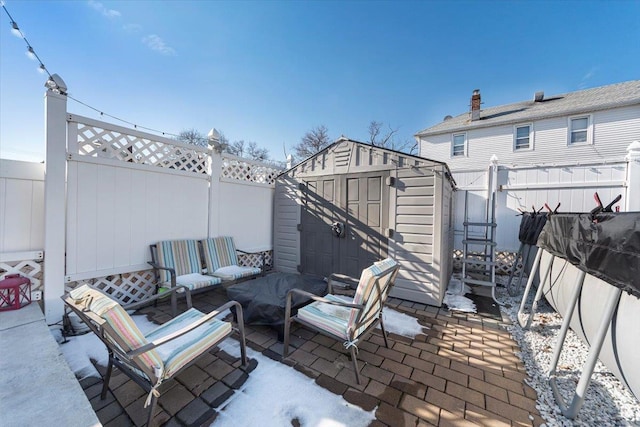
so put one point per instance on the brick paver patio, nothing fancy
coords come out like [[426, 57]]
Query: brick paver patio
[[462, 371]]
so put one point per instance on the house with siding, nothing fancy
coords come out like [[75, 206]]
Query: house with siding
[[591, 125], [550, 149]]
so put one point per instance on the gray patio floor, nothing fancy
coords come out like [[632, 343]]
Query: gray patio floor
[[462, 371]]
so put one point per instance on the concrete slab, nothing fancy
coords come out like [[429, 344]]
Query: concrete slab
[[36, 385], [28, 314]]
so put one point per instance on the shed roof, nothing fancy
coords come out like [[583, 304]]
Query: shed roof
[[583, 101], [417, 160]]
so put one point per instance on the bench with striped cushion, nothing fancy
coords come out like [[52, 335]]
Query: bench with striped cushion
[[184, 257], [221, 259]]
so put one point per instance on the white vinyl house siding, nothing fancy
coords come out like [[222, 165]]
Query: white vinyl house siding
[[613, 131]]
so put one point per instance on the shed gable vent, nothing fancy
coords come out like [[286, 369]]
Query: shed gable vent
[[342, 156]]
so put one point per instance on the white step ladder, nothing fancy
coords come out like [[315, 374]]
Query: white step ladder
[[479, 242]]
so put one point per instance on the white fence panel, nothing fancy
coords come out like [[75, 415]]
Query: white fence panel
[[523, 188], [21, 206], [114, 213], [245, 212]]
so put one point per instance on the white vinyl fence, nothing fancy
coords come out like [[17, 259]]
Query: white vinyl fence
[[22, 220], [573, 186], [111, 192]]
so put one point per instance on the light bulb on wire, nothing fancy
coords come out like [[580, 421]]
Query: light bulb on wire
[[15, 30], [30, 53]]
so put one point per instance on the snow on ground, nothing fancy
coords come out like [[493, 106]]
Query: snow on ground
[[260, 400], [607, 401], [275, 394], [401, 323], [454, 297]]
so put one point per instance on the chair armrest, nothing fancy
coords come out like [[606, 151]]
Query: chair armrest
[[177, 334], [135, 305], [351, 282], [320, 299], [172, 271]]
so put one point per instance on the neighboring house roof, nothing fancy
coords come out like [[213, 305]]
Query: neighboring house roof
[[583, 101]]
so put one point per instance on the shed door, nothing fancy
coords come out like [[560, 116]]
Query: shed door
[[319, 248], [360, 202], [367, 199]]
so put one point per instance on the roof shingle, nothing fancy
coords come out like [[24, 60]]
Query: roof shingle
[[600, 98]]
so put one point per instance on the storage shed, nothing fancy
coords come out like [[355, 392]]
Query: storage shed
[[353, 203]]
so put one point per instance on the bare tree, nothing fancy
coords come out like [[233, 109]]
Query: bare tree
[[248, 150], [192, 136], [388, 138], [313, 141]]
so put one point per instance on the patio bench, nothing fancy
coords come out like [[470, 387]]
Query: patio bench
[[221, 260], [180, 263]]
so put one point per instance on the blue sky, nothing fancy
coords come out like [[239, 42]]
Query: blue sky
[[270, 71]]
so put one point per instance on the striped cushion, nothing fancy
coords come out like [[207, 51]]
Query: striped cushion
[[196, 281], [367, 293], [93, 300], [181, 255], [179, 352], [219, 252], [233, 272], [128, 337], [328, 317]]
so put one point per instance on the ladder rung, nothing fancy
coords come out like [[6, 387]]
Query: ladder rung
[[473, 272], [478, 261], [481, 224], [485, 242], [478, 282], [472, 256]]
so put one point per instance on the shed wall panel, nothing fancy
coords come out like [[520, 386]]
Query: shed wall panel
[[286, 237]]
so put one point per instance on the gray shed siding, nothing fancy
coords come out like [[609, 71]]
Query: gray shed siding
[[286, 239], [420, 201], [418, 207]]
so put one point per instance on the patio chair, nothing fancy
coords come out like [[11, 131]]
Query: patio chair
[[151, 359], [178, 262], [221, 260], [344, 319]]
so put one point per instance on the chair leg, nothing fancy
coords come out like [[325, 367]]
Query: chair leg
[[287, 326], [384, 332], [174, 304], [107, 377], [152, 407], [243, 343], [355, 363]]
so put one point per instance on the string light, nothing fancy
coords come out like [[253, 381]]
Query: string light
[[31, 53]]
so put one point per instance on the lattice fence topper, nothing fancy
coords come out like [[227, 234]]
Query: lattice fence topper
[[128, 288], [95, 141], [504, 262], [246, 170], [125, 288], [255, 260], [27, 268]]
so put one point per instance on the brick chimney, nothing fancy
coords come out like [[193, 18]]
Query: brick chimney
[[475, 105]]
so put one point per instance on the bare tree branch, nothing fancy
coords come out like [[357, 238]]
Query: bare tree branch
[[313, 141]]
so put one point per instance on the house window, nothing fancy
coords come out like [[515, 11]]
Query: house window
[[458, 147], [522, 138], [579, 130]]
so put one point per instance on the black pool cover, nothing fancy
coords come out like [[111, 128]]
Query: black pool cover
[[530, 227], [605, 245]]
